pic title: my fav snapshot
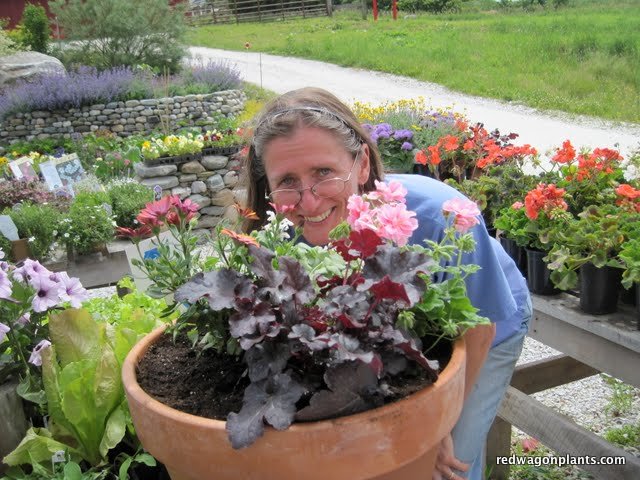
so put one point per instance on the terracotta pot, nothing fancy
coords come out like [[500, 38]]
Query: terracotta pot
[[397, 441]]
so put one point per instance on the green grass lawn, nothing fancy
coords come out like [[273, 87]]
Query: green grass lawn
[[582, 59]]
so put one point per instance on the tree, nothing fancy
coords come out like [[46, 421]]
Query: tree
[[124, 32], [36, 27]]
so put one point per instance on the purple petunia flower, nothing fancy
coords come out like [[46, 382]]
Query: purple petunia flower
[[24, 319], [5, 285], [72, 290], [29, 269], [406, 146], [3, 331], [47, 293], [36, 354], [1, 254]]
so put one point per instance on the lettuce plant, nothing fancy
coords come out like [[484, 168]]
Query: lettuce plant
[[88, 414], [322, 329]]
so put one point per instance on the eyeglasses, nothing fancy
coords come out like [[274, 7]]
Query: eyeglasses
[[324, 189]]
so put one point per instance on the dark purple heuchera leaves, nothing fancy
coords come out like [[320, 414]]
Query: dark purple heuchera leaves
[[353, 387], [347, 331], [272, 400]]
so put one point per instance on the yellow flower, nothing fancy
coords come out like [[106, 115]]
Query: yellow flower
[[146, 144]]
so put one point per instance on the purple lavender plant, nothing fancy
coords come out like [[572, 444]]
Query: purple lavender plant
[[85, 86], [216, 75]]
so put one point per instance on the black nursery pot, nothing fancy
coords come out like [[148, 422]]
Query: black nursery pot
[[516, 252], [599, 288], [419, 169], [538, 274]]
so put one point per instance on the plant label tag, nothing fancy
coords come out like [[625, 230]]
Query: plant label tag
[[157, 190], [58, 457], [8, 228]]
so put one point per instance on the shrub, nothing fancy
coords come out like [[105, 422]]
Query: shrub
[[128, 197], [38, 223], [86, 226], [84, 86], [433, 6], [16, 191], [215, 75], [122, 32], [7, 46], [36, 27]]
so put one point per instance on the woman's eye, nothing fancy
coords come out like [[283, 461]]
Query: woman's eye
[[324, 172], [286, 182]]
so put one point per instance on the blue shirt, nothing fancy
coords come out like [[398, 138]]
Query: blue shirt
[[498, 289]]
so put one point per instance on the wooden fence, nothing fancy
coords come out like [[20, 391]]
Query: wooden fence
[[236, 11]]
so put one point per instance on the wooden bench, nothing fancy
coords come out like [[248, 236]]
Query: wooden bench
[[590, 344]]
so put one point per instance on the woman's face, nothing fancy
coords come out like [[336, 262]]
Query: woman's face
[[307, 157]]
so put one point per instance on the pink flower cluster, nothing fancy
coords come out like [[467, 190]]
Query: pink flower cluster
[[384, 211], [465, 213]]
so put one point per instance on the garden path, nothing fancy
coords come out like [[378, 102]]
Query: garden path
[[543, 130]]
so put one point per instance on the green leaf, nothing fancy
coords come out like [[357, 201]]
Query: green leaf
[[38, 446], [72, 471], [76, 335], [114, 430]]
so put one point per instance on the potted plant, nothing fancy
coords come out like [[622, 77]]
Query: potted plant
[[591, 243], [27, 293], [325, 335], [528, 224], [89, 432], [172, 149], [218, 142], [396, 148]]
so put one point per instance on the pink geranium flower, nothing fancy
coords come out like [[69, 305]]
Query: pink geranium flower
[[357, 207], [36, 354], [390, 192], [396, 223], [465, 211]]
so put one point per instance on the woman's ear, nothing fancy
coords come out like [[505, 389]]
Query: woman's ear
[[365, 166]]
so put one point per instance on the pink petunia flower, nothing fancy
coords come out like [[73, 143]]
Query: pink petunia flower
[[466, 213], [396, 223], [47, 293], [5, 285], [72, 290], [3, 331], [394, 191], [36, 354]]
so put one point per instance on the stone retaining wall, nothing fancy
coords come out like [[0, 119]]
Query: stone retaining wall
[[211, 183], [123, 118]]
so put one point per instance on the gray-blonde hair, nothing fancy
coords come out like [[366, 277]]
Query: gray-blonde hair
[[282, 117]]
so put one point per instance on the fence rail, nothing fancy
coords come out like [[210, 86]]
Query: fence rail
[[237, 11]]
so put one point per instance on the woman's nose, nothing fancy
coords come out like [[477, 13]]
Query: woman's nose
[[309, 200]]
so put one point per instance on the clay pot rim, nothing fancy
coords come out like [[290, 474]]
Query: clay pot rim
[[133, 389]]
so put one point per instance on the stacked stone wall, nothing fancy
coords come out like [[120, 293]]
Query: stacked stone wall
[[212, 183], [123, 118]]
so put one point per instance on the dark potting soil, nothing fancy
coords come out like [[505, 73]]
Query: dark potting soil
[[211, 385]]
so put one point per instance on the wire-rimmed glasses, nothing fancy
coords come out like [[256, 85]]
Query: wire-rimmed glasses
[[324, 189]]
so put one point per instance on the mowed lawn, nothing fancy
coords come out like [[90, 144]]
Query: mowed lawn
[[583, 59]]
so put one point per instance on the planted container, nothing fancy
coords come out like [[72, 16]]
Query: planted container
[[538, 274], [599, 289], [397, 441]]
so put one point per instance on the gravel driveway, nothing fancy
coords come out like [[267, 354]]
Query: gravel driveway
[[543, 130]]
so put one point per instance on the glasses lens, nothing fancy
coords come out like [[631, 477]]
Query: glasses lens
[[329, 188], [285, 197]]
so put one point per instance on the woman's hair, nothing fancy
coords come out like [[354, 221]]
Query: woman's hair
[[282, 117]]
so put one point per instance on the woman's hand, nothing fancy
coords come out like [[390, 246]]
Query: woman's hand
[[446, 462]]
